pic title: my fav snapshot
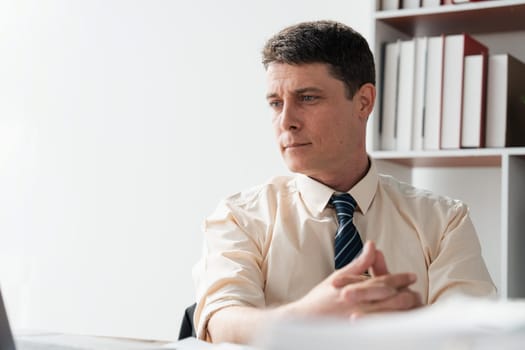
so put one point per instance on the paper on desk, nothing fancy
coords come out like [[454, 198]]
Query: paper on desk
[[460, 323], [195, 344]]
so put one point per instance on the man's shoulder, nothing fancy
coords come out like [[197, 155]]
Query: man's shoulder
[[408, 193], [270, 190]]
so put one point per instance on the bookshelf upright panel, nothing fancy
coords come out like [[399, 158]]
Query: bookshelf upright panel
[[490, 180]]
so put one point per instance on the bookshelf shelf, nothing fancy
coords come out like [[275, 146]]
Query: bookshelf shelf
[[490, 180], [481, 17], [485, 157]]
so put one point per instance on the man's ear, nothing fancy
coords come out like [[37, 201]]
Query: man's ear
[[366, 97]]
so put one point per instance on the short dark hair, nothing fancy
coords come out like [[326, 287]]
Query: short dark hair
[[341, 47]]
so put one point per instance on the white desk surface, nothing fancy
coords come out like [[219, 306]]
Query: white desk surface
[[58, 341], [454, 324], [465, 324]]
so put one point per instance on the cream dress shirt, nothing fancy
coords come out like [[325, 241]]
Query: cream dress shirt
[[272, 244]]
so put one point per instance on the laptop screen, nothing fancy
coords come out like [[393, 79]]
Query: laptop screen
[[6, 337]]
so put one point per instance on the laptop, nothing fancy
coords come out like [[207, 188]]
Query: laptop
[[6, 336]]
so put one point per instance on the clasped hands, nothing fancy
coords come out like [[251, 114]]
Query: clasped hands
[[349, 293]]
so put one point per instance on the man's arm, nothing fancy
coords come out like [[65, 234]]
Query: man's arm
[[458, 266], [346, 293]]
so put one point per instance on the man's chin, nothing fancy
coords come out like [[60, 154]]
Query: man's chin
[[297, 168]]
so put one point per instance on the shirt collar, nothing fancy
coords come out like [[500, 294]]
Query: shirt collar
[[316, 195]]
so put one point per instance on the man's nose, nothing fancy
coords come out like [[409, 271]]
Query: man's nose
[[290, 119]]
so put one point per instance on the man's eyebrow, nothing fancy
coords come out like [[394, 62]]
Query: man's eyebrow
[[299, 91], [308, 89], [271, 95]]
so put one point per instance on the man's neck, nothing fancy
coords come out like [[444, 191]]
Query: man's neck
[[347, 178]]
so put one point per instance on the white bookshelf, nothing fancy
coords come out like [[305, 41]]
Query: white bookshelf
[[490, 180]]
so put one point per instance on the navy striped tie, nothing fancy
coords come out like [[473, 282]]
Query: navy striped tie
[[347, 241]]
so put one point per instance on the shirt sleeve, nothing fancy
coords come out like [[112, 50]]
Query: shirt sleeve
[[229, 272], [458, 266]]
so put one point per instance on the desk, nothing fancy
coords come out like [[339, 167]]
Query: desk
[[57, 341], [457, 324], [454, 324]]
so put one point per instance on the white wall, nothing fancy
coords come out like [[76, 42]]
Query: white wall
[[122, 124]]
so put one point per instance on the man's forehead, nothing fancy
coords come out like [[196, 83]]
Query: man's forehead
[[281, 76], [304, 69]]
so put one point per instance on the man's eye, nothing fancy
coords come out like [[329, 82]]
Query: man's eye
[[308, 98], [275, 104]]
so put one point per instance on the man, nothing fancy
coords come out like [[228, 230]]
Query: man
[[269, 251]]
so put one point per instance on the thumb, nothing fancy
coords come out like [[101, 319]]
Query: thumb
[[379, 267], [358, 266]]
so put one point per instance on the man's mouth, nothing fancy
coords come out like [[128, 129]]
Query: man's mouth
[[296, 145]]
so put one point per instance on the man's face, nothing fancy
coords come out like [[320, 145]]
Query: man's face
[[318, 129]]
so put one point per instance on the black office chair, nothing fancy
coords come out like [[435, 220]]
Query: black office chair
[[187, 329]]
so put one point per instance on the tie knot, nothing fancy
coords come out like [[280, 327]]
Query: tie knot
[[344, 204]]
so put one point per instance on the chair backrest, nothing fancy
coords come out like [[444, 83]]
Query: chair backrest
[[187, 329], [6, 336]]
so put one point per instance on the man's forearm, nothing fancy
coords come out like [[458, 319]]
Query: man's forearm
[[345, 294], [240, 324]]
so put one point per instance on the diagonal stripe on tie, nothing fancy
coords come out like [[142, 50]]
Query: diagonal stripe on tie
[[347, 243]]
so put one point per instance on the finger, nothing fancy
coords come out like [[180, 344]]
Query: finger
[[397, 281], [343, 280], [360, 265], [403, 300], [363, 293], [379, 267]]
